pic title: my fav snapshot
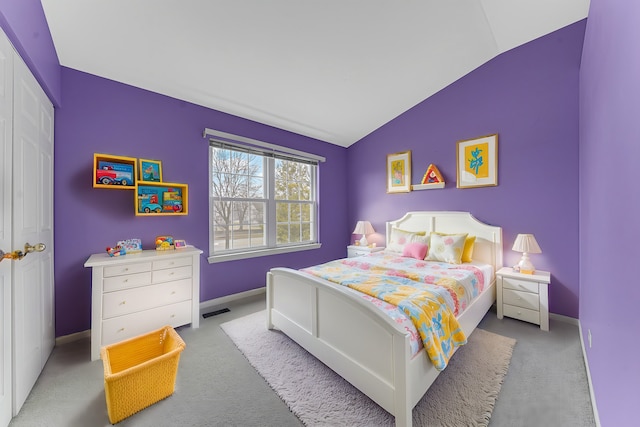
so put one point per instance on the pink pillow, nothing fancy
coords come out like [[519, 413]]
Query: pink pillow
[[415, 250]]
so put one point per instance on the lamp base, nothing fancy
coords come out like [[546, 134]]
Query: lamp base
[[364, 241], [525, 265]]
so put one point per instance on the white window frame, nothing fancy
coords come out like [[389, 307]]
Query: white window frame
[[217, 138]]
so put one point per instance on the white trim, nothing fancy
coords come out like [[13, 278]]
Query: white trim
[[586, 365], [236, 138], [262, 252], [216, 302], [66, 339]]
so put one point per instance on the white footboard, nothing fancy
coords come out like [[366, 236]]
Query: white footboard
[[346, 333]]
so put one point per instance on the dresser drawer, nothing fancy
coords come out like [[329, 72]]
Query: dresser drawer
[[169, 274], [122, 327], [119, 270], [171, 263], [521, 299], [525, 314], [144, 298], [127, 281], [520, 285]]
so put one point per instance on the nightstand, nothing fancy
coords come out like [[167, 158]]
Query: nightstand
[[524, 296], [353, 250]]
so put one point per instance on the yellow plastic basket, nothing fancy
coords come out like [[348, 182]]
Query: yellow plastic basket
[[140, 371]]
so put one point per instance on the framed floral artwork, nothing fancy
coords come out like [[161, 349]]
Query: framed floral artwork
[[399, 172], [477, 162]]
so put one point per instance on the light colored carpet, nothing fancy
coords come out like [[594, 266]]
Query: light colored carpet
[[463, 394]]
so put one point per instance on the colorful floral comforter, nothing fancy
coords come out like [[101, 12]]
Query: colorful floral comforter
[[430, 293]]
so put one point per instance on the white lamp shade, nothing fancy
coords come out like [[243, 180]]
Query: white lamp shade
[[363, 227], [526, 243]]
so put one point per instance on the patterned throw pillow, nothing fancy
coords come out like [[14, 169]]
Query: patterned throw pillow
[[399, 238], [446, 248]]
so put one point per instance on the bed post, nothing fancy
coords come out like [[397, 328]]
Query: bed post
[[269, 299], [403, 411]]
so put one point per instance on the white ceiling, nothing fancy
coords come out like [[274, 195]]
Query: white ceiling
[[334, 70]]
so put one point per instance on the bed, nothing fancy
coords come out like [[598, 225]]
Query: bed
[[358, 340]]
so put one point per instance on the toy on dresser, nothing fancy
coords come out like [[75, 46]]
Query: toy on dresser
[[116, 251]]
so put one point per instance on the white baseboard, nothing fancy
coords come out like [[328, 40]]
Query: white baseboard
[[216, 302], [565, 319], [586, 364], [65, 339]]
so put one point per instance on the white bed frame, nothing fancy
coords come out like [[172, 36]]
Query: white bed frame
[[360, 342]]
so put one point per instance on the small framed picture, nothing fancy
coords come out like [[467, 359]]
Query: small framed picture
[[477, 161], [150, 170], [179, 244], [399, 172]]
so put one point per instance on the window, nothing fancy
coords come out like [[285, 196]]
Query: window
[[260, 202]]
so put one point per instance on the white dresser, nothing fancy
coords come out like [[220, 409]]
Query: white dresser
[[136, 293]]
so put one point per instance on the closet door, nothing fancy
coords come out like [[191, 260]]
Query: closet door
[[6, 141], [33, 291]]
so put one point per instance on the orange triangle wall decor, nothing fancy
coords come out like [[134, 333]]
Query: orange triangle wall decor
[[432, 175]]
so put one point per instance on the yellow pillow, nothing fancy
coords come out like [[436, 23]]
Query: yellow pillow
[[467, 252]]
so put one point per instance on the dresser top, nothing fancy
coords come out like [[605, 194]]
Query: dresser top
[[102, 259]]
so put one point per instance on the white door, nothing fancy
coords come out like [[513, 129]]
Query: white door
[[6, 106], [33, 292]]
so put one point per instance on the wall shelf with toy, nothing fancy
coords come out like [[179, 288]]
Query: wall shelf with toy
[[152, 196], [114, 172], [431, 180], [161, 198]]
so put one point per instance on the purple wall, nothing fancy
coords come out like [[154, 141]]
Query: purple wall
[[103, 116], [610, 206], [529, 96], [24, 23]]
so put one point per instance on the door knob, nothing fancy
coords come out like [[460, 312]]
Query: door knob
[[38, 247]]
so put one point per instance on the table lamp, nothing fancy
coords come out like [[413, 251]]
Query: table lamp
[[526, 244], [364, 228]]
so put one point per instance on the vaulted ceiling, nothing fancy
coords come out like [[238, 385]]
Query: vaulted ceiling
[[334, 70]]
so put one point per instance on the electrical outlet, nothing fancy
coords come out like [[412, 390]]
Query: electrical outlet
[[589, 335]]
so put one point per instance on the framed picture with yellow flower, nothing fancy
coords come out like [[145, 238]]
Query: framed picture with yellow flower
[[399, 172], [477, 162]]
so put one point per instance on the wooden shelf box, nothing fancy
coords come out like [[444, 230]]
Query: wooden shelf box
[[161, 198], [114, 172]]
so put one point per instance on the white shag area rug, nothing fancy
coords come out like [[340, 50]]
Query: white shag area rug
[[464, 394]]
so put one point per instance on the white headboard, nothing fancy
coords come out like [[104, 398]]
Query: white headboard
[[488, 246]]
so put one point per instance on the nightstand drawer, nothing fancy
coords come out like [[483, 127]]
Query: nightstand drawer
[[521, 299], [520, 285], [525, 314]]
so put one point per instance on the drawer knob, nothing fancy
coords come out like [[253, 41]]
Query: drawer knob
[[173, 292], [123, 302], [126, 280], [121, 330], [173, 315]]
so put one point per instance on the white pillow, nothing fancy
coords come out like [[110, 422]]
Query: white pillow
[[399, 238], [446, 248]]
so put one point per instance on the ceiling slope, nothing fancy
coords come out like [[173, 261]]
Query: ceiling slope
[[331, 70]]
